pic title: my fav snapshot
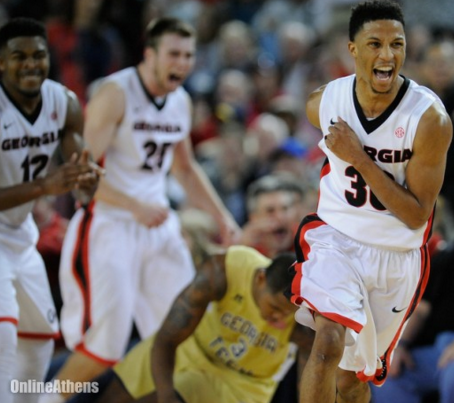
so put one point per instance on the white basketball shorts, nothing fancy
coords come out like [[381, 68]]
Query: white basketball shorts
[[114, 272], [25, 296], [371, 291]]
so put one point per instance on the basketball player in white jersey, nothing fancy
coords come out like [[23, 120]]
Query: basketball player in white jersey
[[124, 258], [37, 118], [362, 259]]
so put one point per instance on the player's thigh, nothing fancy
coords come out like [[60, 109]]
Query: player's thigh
[[399, 289]]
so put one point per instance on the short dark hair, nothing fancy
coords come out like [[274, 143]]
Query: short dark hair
[[271, 183], [373, 11], [21, 26], [279, 274], [167, 25]]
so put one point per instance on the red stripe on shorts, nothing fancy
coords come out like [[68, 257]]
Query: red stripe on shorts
[[80, 264], [381, 374]]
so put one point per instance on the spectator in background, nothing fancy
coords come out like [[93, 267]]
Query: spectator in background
[[437, 73], [237, 47], [266, 77], [233, 97], [84, 45], [226, 164], [272, 207], [295, 42], [264, 135]]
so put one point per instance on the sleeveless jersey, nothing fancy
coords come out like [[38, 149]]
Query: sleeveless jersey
[[141, 154], [233, 334], [27, 148], [346, 202]]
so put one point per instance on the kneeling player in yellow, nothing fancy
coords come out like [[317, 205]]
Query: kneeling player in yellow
[[229, 337]]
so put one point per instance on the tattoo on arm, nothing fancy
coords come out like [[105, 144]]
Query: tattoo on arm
[[190, 305]]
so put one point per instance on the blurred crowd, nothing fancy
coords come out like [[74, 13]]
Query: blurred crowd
[[257, 61]]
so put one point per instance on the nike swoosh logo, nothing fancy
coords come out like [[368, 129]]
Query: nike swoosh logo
[[398, 310], [5, 126], [332, 122]]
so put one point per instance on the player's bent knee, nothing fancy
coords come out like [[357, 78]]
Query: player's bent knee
[[330, 341]]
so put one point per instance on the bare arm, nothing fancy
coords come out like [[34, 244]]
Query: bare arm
[[414, 203], [75, 173], [73, 144], [201, 192], [313, 107], [103, 114], [210, 284]]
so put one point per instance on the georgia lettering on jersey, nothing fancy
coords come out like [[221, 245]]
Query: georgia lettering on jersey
[[139, 158], [346, 202], [28, 144]]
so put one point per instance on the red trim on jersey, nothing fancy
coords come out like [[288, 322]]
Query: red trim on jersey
[[380, 376], [14, 321], [41, 336], [82, 349], [326, 169]]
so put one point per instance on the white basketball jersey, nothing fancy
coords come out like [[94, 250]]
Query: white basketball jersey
[[27, 145], [346, 202], [141, 154]]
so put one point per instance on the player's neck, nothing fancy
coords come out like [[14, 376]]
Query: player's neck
[[27, 104], [149, 82], [374, 103]]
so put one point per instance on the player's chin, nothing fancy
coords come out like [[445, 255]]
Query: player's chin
[[30, 91], [173, 84]]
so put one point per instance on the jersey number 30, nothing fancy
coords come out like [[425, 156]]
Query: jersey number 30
[[361, 191]]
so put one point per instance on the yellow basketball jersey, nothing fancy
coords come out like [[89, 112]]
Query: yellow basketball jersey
[[232, 333], [233, 356]]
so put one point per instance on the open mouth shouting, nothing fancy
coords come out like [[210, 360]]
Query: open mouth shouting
[[176, 79], [383, 74]]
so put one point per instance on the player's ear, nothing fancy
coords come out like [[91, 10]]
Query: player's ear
[[149, 53], [352, 48], [261, 277]]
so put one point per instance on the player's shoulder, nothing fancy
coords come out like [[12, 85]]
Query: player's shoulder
[[51, 86], [181, 95], [60, 94], [435, 121], [243, 252]]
